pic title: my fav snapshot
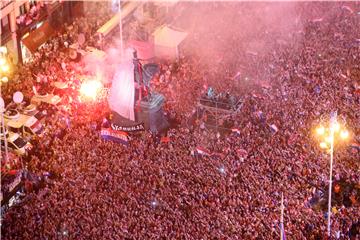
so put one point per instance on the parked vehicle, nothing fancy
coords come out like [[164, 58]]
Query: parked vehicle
[[15, 143], [23, 124]]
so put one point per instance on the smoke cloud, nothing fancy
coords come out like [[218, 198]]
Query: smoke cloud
[[233, 36]]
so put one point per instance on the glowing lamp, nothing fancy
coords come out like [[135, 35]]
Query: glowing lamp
[[329, 139], [4, 79], [336, 127], [3, 50], [4, 68], [2, 61], [320, 130], [323, 145], [344, 134], [90, 89]]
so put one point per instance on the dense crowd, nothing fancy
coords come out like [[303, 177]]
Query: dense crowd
[[98, 189]]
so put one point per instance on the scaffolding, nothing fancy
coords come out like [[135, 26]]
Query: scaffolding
[[216, 111]]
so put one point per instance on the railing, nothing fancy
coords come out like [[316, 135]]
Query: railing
[[5, 3], [24, 27], [218, 105]]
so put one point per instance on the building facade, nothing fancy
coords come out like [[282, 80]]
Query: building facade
[[27, 24]]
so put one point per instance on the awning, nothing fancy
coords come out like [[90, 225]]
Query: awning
[[38, 37], [166, 42], [115, 20], [168, 37]]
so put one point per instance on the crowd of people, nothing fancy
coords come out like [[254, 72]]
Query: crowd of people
[[153, 189]]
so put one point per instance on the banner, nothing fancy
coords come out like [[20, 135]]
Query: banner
[[114, 135], [165, 140], [235, 130], [202, 151], [134, 128], [122, 92]]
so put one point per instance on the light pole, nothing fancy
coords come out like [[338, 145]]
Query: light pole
[[121, 33], [4, 69], [329, 134]]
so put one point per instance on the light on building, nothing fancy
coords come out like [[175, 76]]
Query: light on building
[[344, 134], [323, 145], [329, 139], [4, 79], [2, 61], [4, 68], [3, 50], [320, 130], [336, 127]]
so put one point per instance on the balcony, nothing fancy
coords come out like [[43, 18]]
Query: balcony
[[5, 3], [27, 21]]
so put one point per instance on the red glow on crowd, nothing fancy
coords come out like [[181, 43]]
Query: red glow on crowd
[[90, 89]]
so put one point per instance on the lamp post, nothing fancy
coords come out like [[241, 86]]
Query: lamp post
[[4, 69], [329, 134], [121, 33]]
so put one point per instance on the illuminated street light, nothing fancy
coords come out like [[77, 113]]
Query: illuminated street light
[[327, 143], [3, 50], [336, 126], [4, 79], [2, 61], [329, 139], [320, 130], [344, 134], [323, 145], [4, 68]]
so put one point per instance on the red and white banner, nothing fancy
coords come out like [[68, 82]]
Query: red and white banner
[[202, 151]]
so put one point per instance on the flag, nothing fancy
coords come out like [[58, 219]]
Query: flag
[[273, 128], [202, 151], [105, 123], [257, 96], [13, 172], [347, 8], [235, 130], [34, 90], [68, 121], [317, 20], [261, 116], [165, 140], [242, 153], [343, 75], [114, 135], [355, 146], [236, 75], [282, 229], [292, 139]]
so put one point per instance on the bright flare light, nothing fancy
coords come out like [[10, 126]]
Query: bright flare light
[[5, 79], [344, 134], [320, 130], [90, 89]]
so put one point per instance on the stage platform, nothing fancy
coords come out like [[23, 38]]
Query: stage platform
[[148, 116]]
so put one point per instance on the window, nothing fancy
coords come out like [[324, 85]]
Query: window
[[11, 145], [19, 142], [15, 130], [5, 26], [32, 3], [22, 9]]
